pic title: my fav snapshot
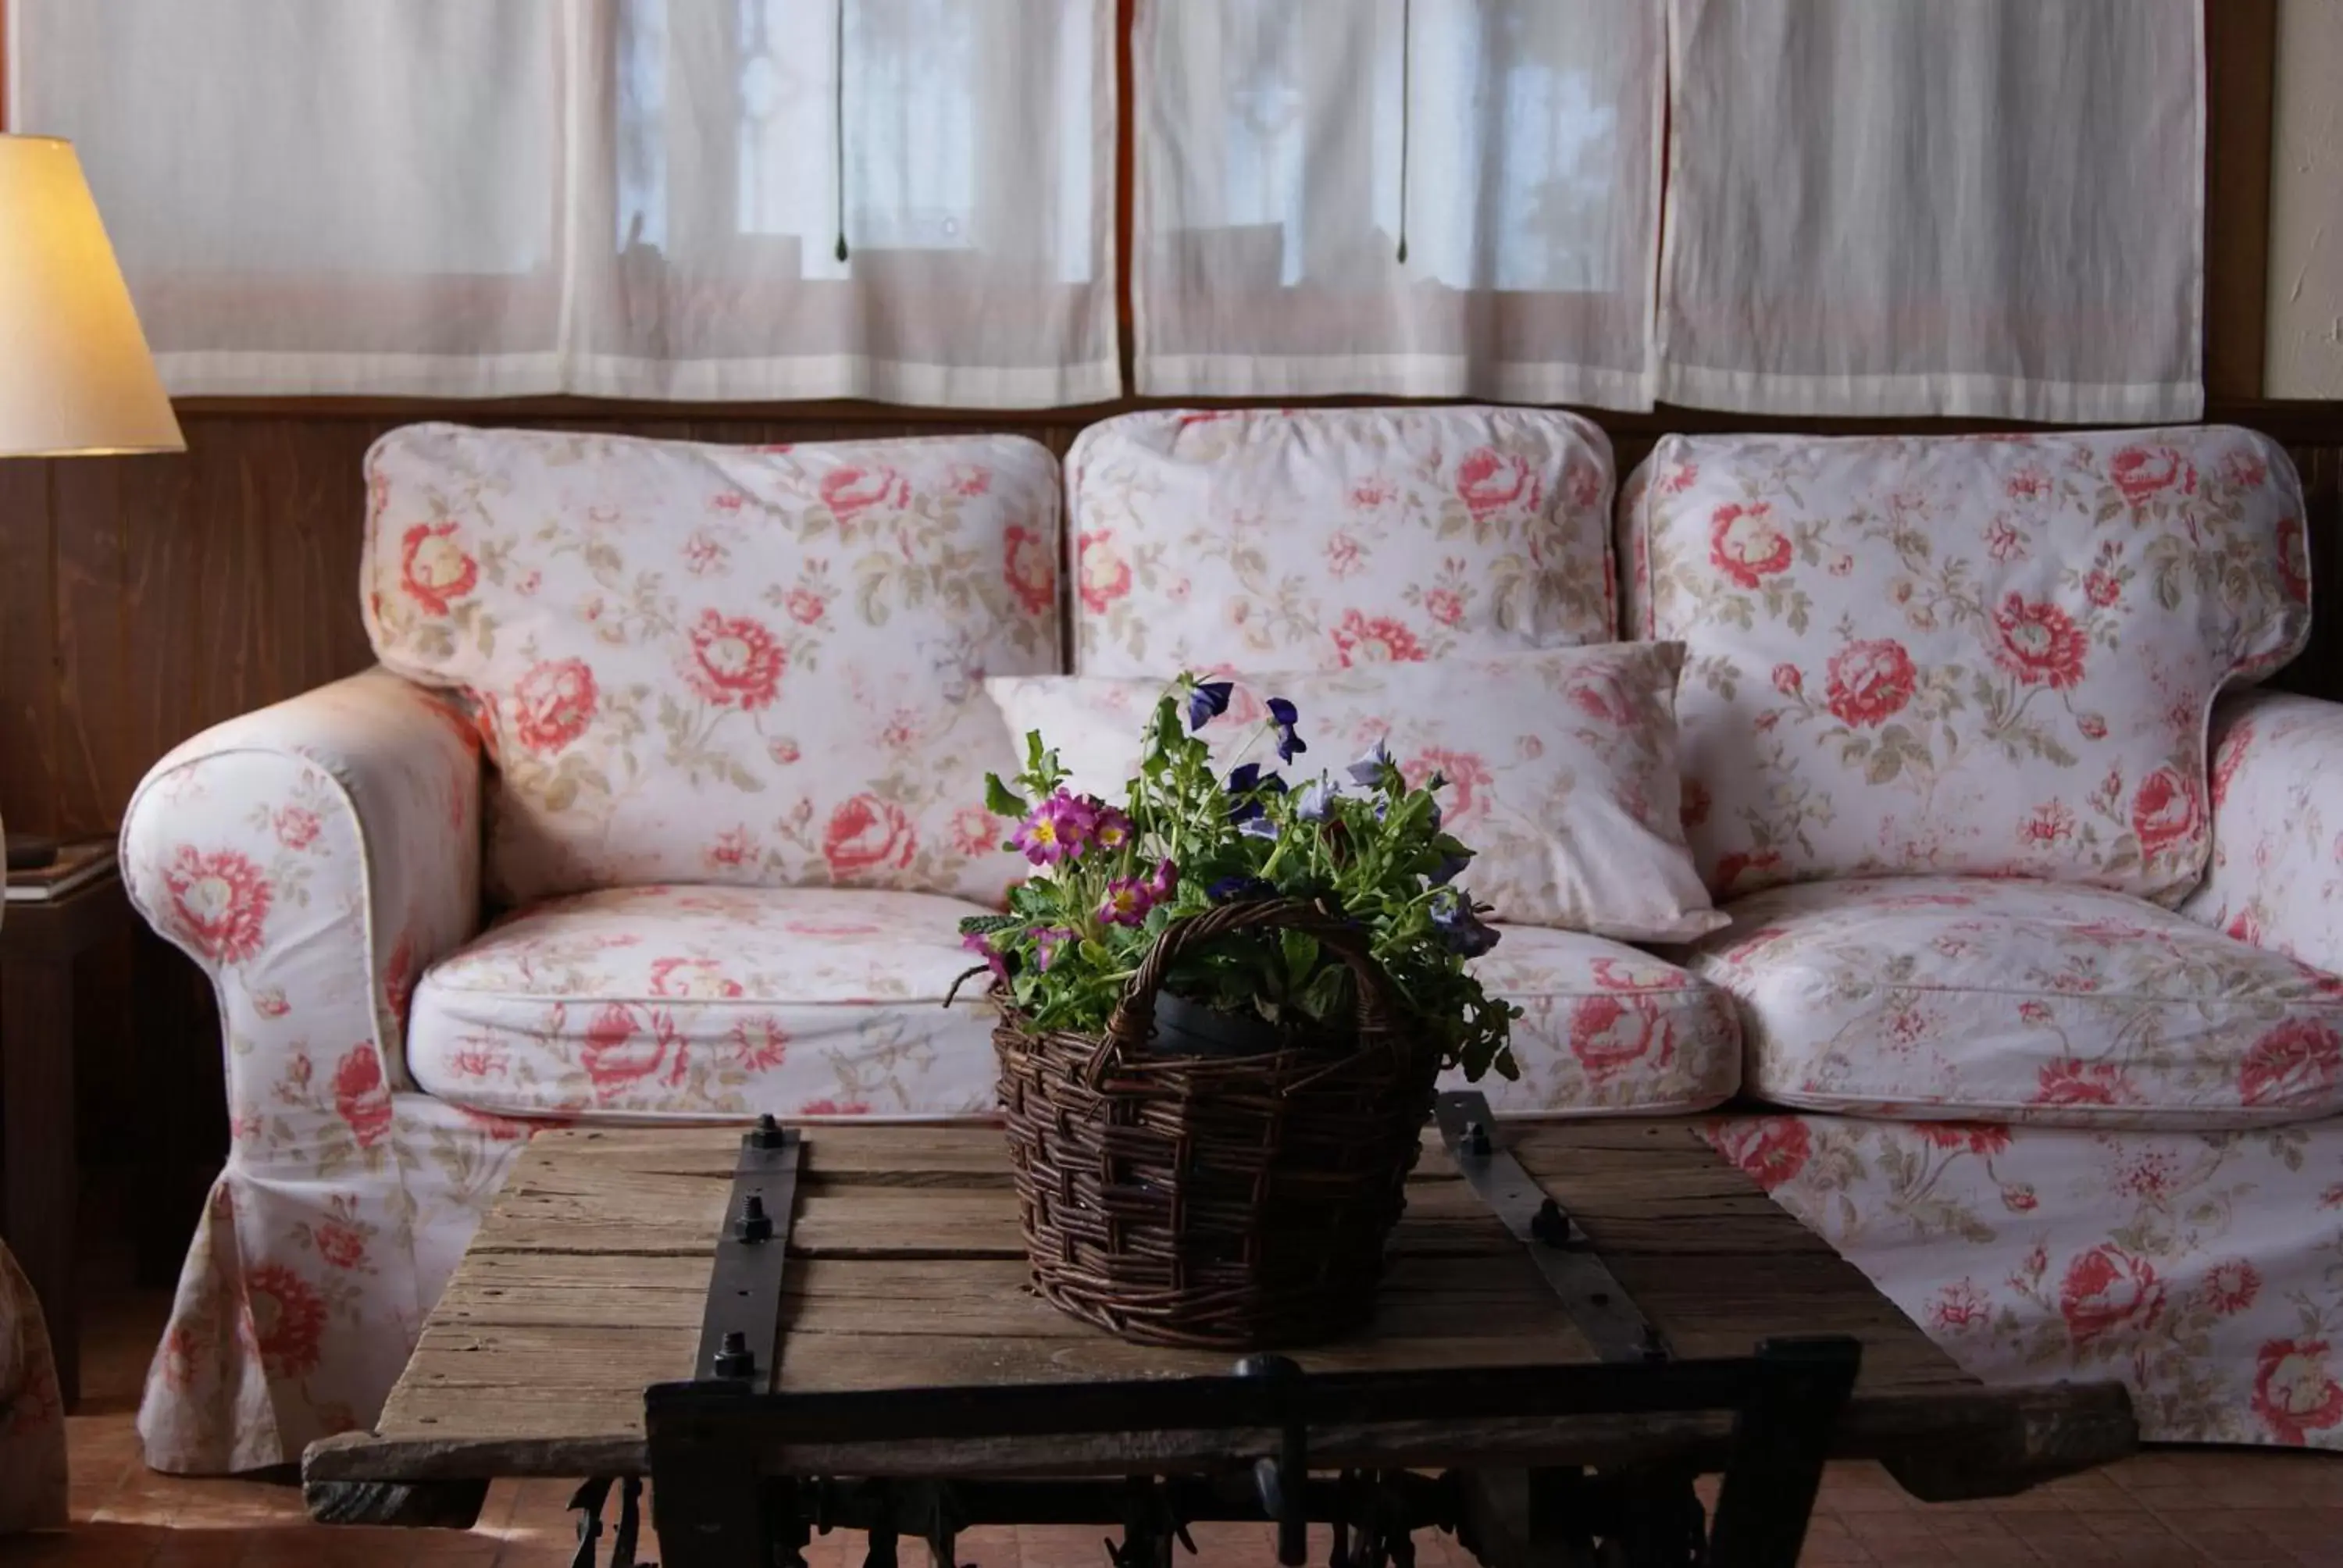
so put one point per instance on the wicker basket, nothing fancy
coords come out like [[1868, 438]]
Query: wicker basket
[[1229, 1202]]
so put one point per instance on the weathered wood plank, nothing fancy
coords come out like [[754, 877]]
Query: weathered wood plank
[[585, 1283], [2092, 1424]]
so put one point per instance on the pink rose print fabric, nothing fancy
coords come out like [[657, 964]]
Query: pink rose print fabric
[[32, 1412], [2204, 1270], [698, 1003], [1561, 766], [1963, 655], [720, 664], [2277, 801], [1605, 1030], [315, 857], [1928, 998], [1316, 538]]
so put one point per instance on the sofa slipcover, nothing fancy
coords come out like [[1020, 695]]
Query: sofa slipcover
[[698, 1003], [2276, 873], [2197, 1268], [1270, 539], [696, 663], [2015, 1002], [1991, 655], [317, 857], [1606, 1030]]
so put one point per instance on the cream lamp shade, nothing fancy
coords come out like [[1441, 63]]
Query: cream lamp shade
[[75, 373]]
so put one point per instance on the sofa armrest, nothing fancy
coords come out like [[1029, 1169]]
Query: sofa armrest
[[314, 857], [2276, 879]]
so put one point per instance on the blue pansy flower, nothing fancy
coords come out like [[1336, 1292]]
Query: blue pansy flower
[[1247, 785], [1369, 770], [1207, 700], [1461, 928], [1235, 889], [1311, 804], [1281, 714]]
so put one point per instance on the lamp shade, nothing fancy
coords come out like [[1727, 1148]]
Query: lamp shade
[[74, 373]]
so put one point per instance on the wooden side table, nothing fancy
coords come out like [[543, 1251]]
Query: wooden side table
[[40, 1183]]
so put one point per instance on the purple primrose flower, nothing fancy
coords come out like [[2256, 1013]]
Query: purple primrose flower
[[1058, 830], [981, 946], [1047, 941], [1126, 903]]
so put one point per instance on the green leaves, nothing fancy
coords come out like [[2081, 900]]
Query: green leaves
[[1367, 854], [986, 925], [1000, 800]]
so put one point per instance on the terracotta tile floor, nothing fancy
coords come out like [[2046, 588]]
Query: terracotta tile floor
[[2225, 1506]]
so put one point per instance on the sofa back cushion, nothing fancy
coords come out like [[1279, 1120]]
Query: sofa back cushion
[[698, 663], [1988, 655], [1320, 538]]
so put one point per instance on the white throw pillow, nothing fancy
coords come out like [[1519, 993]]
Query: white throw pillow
[[1562, 767]]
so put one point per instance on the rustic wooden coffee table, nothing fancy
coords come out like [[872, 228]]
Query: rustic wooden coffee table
[[920, 1388]]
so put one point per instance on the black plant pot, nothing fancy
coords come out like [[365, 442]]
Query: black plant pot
[[1184, 1028]]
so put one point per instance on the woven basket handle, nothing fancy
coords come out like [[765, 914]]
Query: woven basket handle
[[1133, 1021]]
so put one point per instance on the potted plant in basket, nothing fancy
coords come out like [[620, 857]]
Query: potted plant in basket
[[1224, 999]]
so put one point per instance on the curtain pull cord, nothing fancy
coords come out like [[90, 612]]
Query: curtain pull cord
[[1406, 108], [838, 115]]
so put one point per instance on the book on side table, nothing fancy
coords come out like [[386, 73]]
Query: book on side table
[[71, 868]]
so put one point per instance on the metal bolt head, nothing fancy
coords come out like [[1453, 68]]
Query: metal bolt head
[[733, 1358], [1552, 1226], [766, 1134], [754, 1225], [1476, 1139]]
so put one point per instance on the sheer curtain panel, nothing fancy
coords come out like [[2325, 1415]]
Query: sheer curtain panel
[[319, 195], [1984, 208], [1410, 197], [909, 200]]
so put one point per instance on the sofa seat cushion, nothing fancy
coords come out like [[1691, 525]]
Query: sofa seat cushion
[[1606, 1030], [711, 1002], [714, 1003], [1949, 998]]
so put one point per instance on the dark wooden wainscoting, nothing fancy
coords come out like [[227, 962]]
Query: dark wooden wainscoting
[[144, 598]]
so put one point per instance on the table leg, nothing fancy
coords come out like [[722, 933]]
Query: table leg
[[42, 1178]]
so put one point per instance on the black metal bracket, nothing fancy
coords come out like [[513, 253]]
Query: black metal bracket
[[1283, 1481], [1591, 1293], [740, 1334], [588, 1502], [1781, 1438]]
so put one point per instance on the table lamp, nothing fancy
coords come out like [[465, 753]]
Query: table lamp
[[75, 378]]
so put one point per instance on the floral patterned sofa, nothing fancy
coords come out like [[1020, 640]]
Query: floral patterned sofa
[[706, 725]]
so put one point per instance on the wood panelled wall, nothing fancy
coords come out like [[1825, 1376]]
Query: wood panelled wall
[[144, 598]]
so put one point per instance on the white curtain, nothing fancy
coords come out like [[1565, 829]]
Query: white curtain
[[1986, 207], [640, 199], [1286, 148]]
